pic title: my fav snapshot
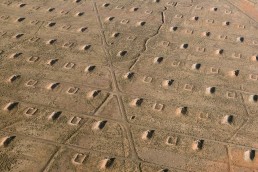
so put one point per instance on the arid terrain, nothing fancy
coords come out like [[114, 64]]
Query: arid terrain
[[128, 85]]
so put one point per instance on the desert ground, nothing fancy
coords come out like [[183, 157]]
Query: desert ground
[[128, 85]]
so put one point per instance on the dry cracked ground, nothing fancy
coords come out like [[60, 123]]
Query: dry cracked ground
[[129, 85]]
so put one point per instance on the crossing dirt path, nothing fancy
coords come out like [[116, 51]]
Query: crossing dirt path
[[129, 85]]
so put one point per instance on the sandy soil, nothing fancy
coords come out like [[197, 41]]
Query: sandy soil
[[128, 85]]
